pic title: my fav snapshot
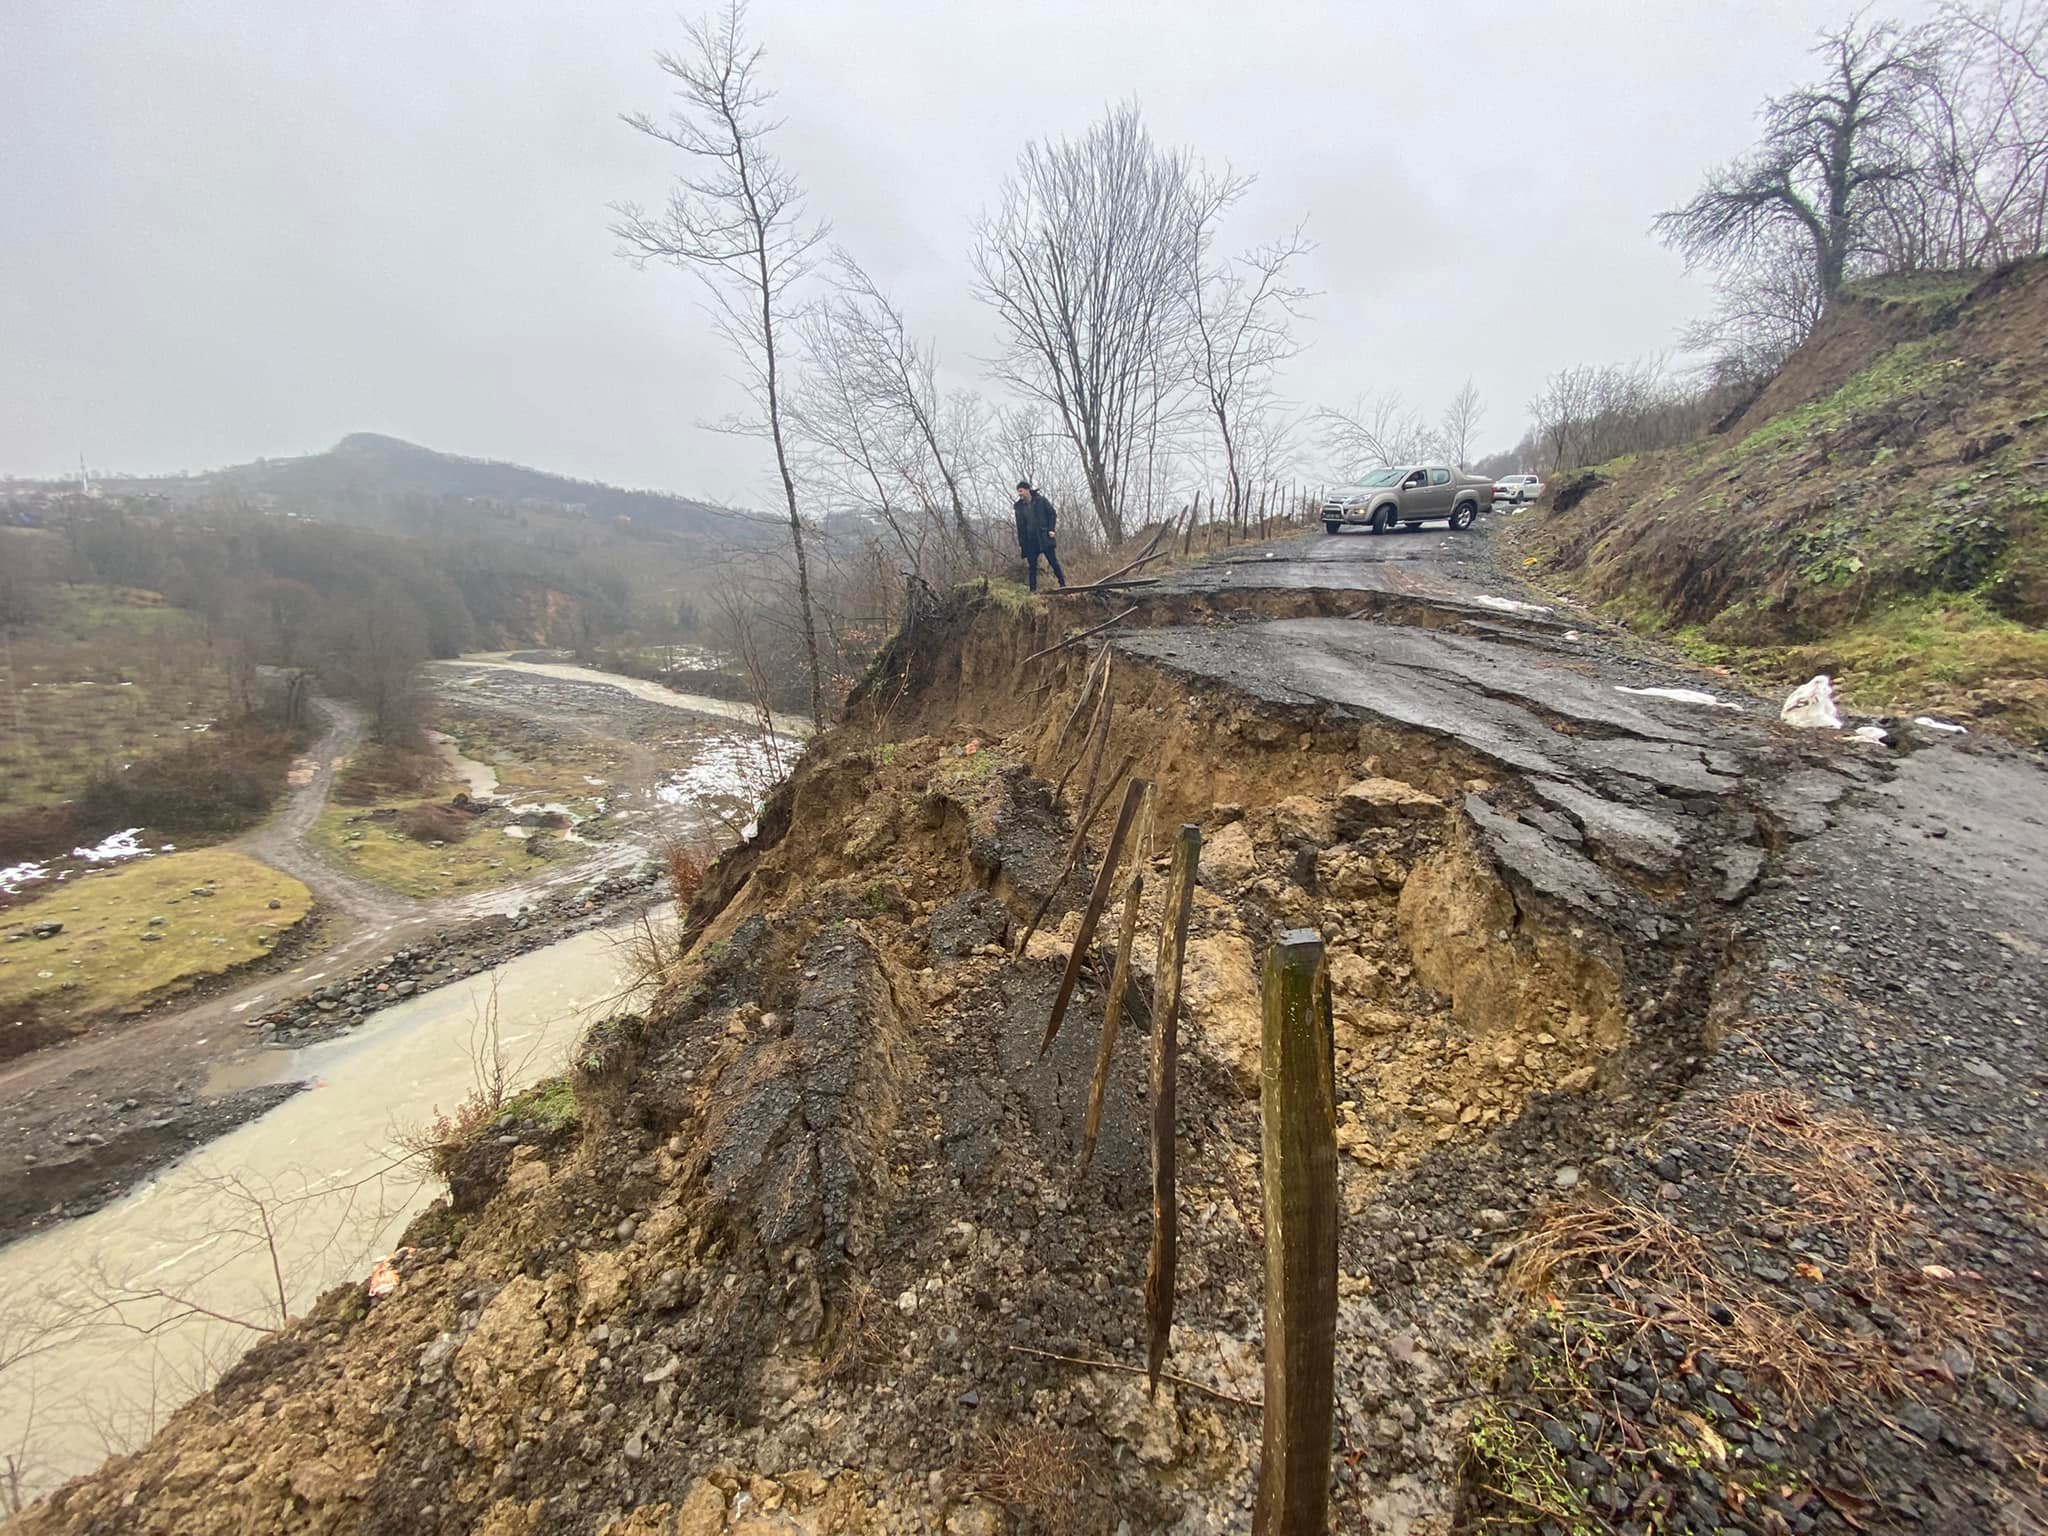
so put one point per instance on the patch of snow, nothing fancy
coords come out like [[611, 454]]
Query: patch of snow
[[113, 848], [15, 876], [1679, 696], [1947, 726], [1508, 604]]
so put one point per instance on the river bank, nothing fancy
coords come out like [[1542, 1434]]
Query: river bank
[[140, 1304], [81, 1124]]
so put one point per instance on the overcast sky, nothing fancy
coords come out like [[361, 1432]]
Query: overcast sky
[[232, 228]]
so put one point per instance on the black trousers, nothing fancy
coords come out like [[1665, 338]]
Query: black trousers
[[1051, 558]]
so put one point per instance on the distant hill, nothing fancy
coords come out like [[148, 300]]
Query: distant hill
[[368, 465]]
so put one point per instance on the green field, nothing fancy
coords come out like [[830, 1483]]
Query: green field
[[142, 932], [106, 675], [368, 841], [365, 833]]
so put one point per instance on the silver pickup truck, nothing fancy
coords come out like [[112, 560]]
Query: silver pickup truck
[[1408, 495]]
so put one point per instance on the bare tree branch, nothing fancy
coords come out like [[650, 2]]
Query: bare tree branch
[[735, 219]]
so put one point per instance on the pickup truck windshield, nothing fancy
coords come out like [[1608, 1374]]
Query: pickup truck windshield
[[1382, 477]]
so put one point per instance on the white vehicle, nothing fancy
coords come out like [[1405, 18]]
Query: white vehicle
[[1517, 490]]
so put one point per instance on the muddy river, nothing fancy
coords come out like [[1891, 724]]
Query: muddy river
[[639, 688], [110, 1322]]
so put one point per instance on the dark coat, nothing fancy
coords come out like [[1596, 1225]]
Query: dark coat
[[1036, 520]]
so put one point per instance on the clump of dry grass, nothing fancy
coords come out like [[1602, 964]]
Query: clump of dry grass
[[1037, 1470], [1841, 1174], [854, 1337]]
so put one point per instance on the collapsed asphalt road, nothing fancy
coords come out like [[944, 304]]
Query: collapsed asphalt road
[[1882, 1018]]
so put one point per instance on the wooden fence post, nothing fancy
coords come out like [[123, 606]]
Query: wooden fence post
[[1160, 1268], [1105, 878], [1120, 975], [1298, 1138]]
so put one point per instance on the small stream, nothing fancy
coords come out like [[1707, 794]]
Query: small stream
[[321, 1170]]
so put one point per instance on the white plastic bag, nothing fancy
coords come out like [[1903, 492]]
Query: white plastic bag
[[1812, 706]]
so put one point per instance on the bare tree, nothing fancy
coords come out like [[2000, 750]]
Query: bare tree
[[1242, 311], [870, 410], [374, 657], [1766, 305], [1085, 262], [1589, 415], [1460, 425], [1559, 411], [734, 219], [1978, 142], [1828, 151], [905, 377], [1373, 430]]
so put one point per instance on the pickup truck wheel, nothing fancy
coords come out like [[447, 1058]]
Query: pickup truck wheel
[[1379, 520], [1462, 515], [1329, 526]]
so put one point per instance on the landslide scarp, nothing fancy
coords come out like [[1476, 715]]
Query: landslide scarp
[[818, 1256]]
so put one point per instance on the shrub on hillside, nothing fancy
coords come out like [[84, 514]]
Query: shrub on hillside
[[435, 823], [220, 781], [384, 772], [38, 832]]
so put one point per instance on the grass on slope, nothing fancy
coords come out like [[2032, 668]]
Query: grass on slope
[[104, 676], [143, 932], [1892, 531], [372, 842]]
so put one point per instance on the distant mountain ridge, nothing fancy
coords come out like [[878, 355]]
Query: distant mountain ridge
[[371, 464]]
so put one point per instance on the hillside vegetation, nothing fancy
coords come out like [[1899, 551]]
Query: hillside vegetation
[[1879, 512], [108, 674]]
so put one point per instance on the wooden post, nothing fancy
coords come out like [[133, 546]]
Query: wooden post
[[1194, 517], [1298, 1138], [1134, 792], [1120, 977], [1160, 1268]]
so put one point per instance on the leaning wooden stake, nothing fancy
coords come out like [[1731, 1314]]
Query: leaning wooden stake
[[1087, 696], [1073, 857], [1120, 977], [1173, 948], [1079, 635], [1298, 1114], [1091, 744], [1134, 792]]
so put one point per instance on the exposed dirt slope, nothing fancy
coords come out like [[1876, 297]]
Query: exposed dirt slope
[[1879, 513], [814, 1254], [822, 1207]]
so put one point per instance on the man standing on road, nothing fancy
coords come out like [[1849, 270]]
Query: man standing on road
[[1036, 520]]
